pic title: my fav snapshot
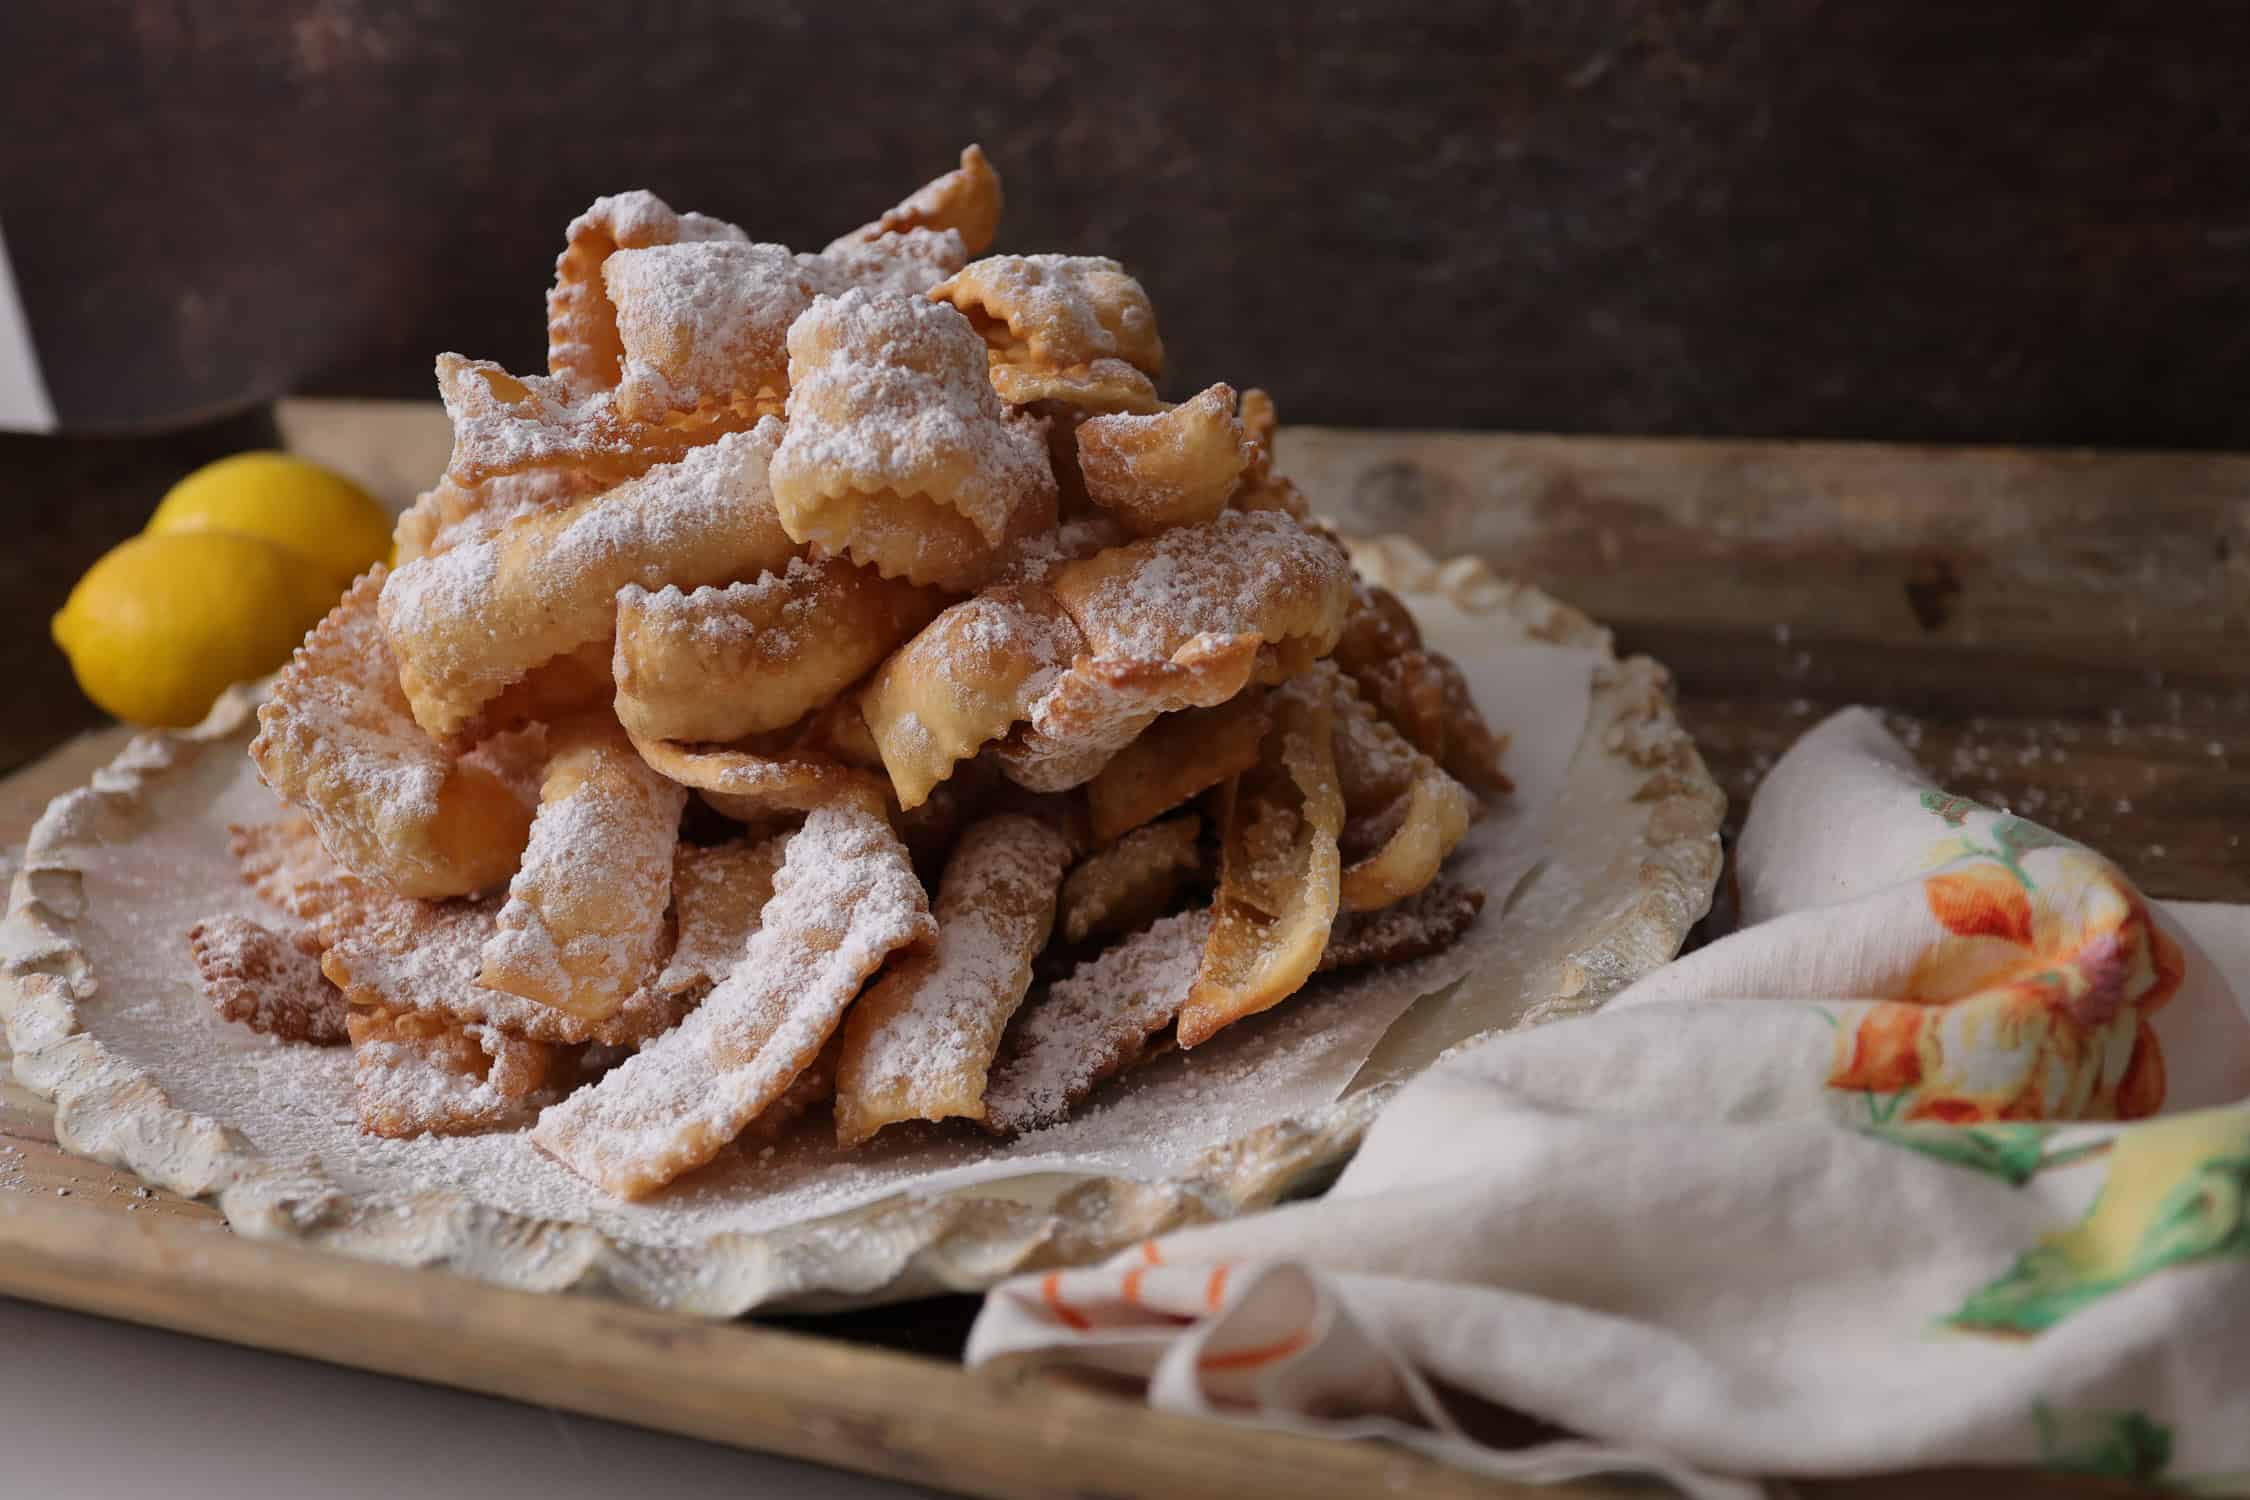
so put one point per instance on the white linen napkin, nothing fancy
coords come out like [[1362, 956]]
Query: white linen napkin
[[1809, 1201]]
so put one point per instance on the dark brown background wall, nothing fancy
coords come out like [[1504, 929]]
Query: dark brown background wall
[[2007, 221]]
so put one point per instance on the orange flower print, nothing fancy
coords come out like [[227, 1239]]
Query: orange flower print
[[2033, 1004], [1981, 901]]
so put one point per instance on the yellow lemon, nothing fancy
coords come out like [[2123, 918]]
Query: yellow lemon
[[287, 501], [161, 623]]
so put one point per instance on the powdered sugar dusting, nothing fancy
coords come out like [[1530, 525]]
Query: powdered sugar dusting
[[920, 1043], [338, 715], [703, 322], [585, 910], [845, 899], [266, 981], [1242, 573], [911, 262], [889, 392], [479, 616]]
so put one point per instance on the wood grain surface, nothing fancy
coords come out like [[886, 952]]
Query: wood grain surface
[[2003, 221], [2063, 633]]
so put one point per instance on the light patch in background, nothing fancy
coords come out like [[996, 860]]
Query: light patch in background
[[24, 406]]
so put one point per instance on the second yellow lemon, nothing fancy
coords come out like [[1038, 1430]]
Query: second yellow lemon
[[310, 510], [161, 624]]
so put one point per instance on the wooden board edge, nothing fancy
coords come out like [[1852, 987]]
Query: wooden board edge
[[897, 1416]]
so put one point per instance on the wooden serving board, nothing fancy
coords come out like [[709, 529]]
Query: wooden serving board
[[2066, 633]]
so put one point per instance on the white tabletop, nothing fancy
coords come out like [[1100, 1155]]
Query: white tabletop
[[94, 1410]]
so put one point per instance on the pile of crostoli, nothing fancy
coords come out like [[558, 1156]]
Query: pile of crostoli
[[841, 682]]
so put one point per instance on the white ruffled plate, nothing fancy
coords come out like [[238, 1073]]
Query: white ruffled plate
[[106, 1020]]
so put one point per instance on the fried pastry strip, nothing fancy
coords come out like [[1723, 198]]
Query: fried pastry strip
[[1429, 921], [390, 952], [909, 260], [718, 895], [585, 913], [1093, 1024], [844, 901], [1102, 704], [898, 454], [1279, 869], [1097, 386], [450, 513], [1179, 756], [1173, 468], [703, 325], [1261, 488], [419, 1075], [750, 658], [1421, 692], [265, 981], [508, 425], [966, 200], [336, 738], [959, 684], [583, 347], [1184, 619], [467, 624], [1259, 423], [1395, 790], [1056, 311], [918, 1044], [573, 683], [1255, 574], [751, 781], [1123, 886]]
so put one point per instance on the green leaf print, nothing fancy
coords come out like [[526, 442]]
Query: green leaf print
[[2177, 1192], [1882, 1108], [1955, 810], [2019, 836], [2114, 1444], [2012, 837], [2012, 1152]]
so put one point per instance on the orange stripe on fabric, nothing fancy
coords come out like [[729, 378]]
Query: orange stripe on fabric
[[1215, 1290], [1050, 1292], [1250, 1359], [1131, 1290], [1148, 1249]]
